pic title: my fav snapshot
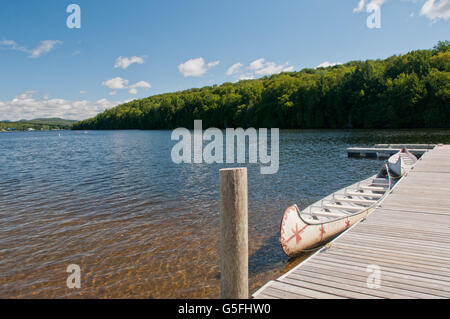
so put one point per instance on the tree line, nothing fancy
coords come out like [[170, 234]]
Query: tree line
[[402, 91]]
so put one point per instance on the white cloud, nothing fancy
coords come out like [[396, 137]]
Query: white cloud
[[360, 6], [261, 67], [270, 68], [124, 62], [432, 9], [8, 43], [43, 47], [289, 69], [213, 64], [246, 76], [327, 64], [193, 67], [116, 83], [436, 10], [82, 92], [141, 84], [234, 68], [257, 64], [196, 67], [27, 106], [119, 83], [13, 45]]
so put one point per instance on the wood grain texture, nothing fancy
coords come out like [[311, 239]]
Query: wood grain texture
[[234, 233]]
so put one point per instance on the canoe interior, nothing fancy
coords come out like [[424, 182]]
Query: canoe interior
[[348, 201]]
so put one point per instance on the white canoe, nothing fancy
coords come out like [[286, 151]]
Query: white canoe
[[401, 162], [306, 229]]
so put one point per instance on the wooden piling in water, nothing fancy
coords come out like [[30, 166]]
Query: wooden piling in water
[[233, 233]]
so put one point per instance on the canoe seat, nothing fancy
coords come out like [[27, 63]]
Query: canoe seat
[[360, 194], [356, 201], [381, 180], [372, 188], [343, 207], [379, 185]]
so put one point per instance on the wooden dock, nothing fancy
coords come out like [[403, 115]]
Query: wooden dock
[[407, 239], [386, 150]]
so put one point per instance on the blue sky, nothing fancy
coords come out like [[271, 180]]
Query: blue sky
[[131, 49]]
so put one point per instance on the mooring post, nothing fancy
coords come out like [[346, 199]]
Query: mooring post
[[233, 233]]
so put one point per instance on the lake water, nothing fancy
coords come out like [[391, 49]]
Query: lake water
[[140, 226]]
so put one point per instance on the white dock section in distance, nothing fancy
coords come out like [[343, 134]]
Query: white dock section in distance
[[405, 243], [386, 150]]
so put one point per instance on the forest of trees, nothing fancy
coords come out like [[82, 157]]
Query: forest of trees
[[404, 91], [37, 124]]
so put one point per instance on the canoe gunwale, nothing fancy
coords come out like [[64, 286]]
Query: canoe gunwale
[[366, 208]]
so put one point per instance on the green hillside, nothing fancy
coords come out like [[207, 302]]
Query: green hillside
[[402, 91], [37, 124]]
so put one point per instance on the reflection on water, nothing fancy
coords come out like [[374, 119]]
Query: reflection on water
[[140, 226]]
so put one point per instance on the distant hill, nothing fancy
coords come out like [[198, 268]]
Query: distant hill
[[37, 124], [49, 121]]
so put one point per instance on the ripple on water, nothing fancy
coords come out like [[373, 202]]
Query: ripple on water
[[140, 226]]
